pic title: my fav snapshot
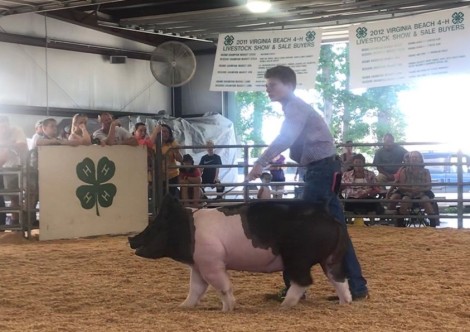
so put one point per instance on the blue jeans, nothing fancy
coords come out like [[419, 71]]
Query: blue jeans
[[318, 188]]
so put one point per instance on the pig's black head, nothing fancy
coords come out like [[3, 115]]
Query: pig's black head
[[170, 235]]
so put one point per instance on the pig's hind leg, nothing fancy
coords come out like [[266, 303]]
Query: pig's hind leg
[[294, 293], [335, 273], [197, 288]]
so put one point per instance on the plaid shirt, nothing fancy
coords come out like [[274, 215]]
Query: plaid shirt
[[304, 131], [359, 191]]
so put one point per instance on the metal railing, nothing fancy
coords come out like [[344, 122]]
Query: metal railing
[[235, 192], [242, 188], [15, 173]]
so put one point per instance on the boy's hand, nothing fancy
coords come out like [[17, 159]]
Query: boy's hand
[[255, 172]]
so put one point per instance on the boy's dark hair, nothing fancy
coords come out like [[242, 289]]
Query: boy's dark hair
[[285, 74], [47, 121], [138, 124], [266, 175], [188, 158], [359, 156]]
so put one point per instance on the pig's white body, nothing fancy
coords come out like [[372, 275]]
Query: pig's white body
[[221, 241], [222, 245]]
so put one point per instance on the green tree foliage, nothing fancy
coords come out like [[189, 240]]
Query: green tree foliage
[[383, 102], [252, 106], [360, 117]]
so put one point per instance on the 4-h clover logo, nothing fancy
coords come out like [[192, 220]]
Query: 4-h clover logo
[[457, 17], [228, 40], [97, 191], [361, 32], [310, 36]]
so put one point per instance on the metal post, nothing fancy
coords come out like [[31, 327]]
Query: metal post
[[246, 154], [460, 207]]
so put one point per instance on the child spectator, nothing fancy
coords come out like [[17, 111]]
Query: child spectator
[[277, 173], [79, 132], [190, 176], [38, 134], [140, 134], [49, 128], [264, 192], [210, 176]]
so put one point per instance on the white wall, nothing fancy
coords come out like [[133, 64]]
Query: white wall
[[35, 76]]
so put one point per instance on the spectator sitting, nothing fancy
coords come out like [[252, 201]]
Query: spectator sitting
[[79, 132], [264, 192], [277, 173], [392, 189], [360, 175], [37, 134], [140, 134], [347, 157], [414, 182], [190, 176], [13, 148], [49, 128], [111, 132], [388, 159]]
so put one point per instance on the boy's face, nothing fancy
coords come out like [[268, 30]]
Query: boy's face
[[277, 90], [358, 163], [50, 130], [141, 132], [106, 118]]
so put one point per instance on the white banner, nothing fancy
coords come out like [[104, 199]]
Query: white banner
[[242, 58], [92, 190], [400, 50]]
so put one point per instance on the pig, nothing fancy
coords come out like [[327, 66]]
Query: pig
[[258, 236]]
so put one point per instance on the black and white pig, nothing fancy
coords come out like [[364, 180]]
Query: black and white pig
[[259, 236]]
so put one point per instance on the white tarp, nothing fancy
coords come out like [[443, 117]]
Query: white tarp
[[196, 132], [399, 50], [242, 58]]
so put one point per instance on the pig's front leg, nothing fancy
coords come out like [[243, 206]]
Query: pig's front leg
[[217, 276], [197, 288]]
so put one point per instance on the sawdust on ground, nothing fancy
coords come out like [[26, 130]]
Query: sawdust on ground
[[419, 280]]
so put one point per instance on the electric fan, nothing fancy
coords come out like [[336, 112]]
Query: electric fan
[[173, 63]]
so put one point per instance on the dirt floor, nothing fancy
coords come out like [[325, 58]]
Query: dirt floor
[[419, 280]]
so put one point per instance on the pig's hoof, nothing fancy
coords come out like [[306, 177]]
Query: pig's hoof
[[226, 307], [288, 303], [186, 305]]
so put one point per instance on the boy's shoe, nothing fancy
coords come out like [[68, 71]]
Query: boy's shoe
[[361, 296], [355, 297]]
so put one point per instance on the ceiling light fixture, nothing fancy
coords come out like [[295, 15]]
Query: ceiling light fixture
[[258, 6]]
